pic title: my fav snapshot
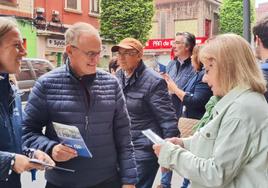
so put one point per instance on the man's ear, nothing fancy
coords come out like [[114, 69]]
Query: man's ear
[[257, 40], [140, 55], [68, 50]]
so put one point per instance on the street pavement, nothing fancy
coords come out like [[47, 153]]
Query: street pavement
[[40, 182]]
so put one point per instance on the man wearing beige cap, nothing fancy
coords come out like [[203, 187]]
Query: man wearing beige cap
[[149, 106]]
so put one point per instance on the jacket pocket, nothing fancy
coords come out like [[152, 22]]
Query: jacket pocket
[[135, 102], [206, 137]]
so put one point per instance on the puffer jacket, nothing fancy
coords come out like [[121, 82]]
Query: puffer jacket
[[150, 107], [10, 132], [97, 107]]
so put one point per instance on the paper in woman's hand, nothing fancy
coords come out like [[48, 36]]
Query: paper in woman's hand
[[153, 137], [49, 166]]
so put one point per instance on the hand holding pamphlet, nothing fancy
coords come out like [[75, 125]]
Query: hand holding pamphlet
[[71, 137], [153, 137], [47, 165]]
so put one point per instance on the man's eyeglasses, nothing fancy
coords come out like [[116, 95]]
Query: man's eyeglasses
[[89, 54], [178, 42], [126, 53]]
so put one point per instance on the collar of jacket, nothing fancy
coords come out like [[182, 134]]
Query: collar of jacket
[[86, 78], [187, 61], [7, 92], [137, 73], [228, 99]]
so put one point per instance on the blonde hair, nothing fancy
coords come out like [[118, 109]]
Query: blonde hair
[[6, 25], [195, 56], [236, 64], [72, 34]]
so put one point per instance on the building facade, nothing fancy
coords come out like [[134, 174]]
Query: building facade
[[22, 11], [52, 18], [200, 17], [262, 10]]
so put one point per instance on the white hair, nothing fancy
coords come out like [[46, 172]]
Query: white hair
[[73, 33]]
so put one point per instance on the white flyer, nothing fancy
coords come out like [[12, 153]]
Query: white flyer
[[153, 137]]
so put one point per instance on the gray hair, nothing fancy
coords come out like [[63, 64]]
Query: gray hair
[[6, 25], [73, 33]]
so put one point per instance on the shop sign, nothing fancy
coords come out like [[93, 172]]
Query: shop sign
[[167, 43], [159, 44], [55, 43]]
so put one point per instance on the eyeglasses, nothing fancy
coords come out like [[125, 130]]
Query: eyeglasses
[[89, 54], [178, 42], [126, 53]]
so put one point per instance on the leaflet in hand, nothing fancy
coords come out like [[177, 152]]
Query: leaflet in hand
[[153, 137], [71, 137], [36, 161]]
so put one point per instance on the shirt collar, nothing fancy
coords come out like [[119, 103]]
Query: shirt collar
[[228, 99], [184, 61]]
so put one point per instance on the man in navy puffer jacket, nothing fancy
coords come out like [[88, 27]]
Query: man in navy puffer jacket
[[78, 94]]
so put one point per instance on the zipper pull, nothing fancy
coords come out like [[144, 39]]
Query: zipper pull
[[86, 122]]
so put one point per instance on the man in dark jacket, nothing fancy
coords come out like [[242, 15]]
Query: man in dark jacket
[[149, 106], [12, 161], [77, 94], [180, 69], [260, 32]]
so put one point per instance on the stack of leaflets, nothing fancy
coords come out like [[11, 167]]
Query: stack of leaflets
[[71, 137]]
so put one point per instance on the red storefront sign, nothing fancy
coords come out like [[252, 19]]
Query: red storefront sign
[[158, 44], [154, 44]]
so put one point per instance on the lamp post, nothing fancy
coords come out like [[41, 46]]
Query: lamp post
[[246, 18]]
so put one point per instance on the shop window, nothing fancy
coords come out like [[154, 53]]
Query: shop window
[[73, 5], [94, 7], [207, 28], [9, 2]]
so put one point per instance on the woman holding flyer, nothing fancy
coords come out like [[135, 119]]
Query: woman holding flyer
[[231, 150]]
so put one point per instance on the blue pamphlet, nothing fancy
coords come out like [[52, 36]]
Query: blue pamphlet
[[71, 137], [162, 68]]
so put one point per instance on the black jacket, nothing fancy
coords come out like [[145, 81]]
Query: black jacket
[[149, 106]]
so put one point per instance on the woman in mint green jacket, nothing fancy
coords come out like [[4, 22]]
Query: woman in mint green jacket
[[231, 151]]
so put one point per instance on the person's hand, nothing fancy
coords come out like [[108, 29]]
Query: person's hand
[[42, 156], [176, 141], [61, 153], [157, 148], [164, 170], [22, 163], [172, 87], [128, 186]]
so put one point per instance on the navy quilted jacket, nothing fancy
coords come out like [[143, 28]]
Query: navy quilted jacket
[[101, 117], [10, 131], [150, 107]]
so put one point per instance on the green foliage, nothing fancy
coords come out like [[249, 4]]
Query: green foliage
[[126, 18], [231, 16]]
